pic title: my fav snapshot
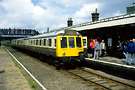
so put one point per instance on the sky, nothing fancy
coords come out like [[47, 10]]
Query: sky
[[41, 14]]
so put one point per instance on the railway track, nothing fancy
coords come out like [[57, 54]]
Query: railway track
[[100, 82], [93, 79]]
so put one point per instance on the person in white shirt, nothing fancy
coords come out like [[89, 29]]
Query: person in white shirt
[[97, 50], [102, 48]]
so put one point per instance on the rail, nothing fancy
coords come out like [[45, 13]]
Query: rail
[[99, 80]]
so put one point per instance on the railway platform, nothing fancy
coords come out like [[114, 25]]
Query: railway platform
[[114, 66], [11, 77], [112, 61]]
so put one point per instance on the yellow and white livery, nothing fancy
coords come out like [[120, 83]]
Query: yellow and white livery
[[64, 43]]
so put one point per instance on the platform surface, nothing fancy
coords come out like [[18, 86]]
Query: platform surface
[[11, 77], [112, 61]]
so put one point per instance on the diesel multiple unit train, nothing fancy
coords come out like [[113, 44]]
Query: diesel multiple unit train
[[63, 45]]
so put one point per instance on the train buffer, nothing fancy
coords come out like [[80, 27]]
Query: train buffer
[[11, 77]]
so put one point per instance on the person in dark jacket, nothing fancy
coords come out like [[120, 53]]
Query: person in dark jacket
[[131, 52], [134, 52]]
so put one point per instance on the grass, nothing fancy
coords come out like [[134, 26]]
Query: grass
[[30, 80]]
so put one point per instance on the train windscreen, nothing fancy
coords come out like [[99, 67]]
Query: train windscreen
[[71, 42], [63, 42]]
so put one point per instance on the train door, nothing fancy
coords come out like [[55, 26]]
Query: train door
[[85, 42]]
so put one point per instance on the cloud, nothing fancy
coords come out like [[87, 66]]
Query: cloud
[[25, 14], [41, 14], [17, 13], [117, 13], [85, 11], [43, 18]]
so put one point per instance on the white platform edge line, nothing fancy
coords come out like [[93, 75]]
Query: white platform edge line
[[111, 63], [27, 71]]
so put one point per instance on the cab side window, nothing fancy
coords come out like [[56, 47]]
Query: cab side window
[[84, 42]]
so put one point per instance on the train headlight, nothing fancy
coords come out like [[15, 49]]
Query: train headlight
[[64, 54]]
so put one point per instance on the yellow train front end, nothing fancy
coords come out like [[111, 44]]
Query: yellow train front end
[[69, 46]]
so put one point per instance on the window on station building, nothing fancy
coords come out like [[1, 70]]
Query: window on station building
[[71, 42], [63, 42], [78, 42]]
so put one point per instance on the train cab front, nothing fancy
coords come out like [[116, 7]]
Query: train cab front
[[69, 46]]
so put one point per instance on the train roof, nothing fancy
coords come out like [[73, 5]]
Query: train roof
[[49, 34], [53, 34]]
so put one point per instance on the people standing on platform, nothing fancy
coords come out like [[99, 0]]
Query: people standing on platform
[[124, 49], [102, 48], [119, 49], [91, 47], [134, 52], [96, 49], [130, 56]]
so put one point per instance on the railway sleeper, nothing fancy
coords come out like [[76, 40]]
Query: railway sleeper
[[102, 82], [109, 85]]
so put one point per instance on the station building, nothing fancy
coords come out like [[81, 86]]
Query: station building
[[113, 30]]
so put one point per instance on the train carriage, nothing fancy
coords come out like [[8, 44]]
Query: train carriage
[[60, 44]]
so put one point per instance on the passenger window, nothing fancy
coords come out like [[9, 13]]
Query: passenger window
[[36, 42], [40, 42], [30, 42], [71, 42], [63, 42], [44, 42], [33, 42], [55, 42], [49, 42], [78, 41]]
